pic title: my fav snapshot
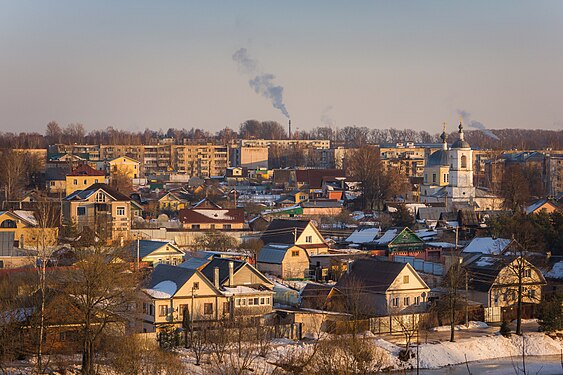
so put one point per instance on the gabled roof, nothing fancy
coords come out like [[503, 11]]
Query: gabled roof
[[273, 253], [223, 264], [86, 193], [206, 203], [123, 157], [284, 231], [212, 215], [487, 245], [399, 236], [86, 170], [430, 213], [373, 275], [167, 280], [314, 177], [363, 235], [538, 204], [26, 216], [147, 247]]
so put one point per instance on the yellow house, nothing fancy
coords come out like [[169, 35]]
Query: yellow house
[[217, 289], [124, 166], [82, 177], [102, 209], [155, 252], [172, 202], [302, 233], [27, 233], [543, 205], [284, 260]]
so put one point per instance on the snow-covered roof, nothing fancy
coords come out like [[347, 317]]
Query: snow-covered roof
[[387, 237], [426, 234], [163, 290], [243, 290], [486, 245], [556, 271], [363, 235], [440, 244], [27, 216]]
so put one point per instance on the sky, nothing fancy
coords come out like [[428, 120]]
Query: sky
[[161, 64]]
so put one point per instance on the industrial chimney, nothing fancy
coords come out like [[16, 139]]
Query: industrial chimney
[[289, 135]]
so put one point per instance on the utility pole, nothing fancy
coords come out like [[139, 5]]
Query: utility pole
[[466, 301]]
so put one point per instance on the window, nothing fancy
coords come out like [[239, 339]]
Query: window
[[256, 301], [406, 279], [120, 211], [100, 197], [243, 301], [395, 302], [195, 226], [96, 181], [294, 253], [262, 300], [237, 302], [528, 272], [212, 226], [226, 226], [309, 239], [267, 300], [433, 178], [181, 310], [417, 300], [85, 182], [407, 301], [251, 302], [531, 293], [463, 161], [162, 310], [444, 177], [208, 308], [81, 211], [75, 182], [196, 285]]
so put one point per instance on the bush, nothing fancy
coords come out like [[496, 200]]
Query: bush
[[551, 314], [505, 329]]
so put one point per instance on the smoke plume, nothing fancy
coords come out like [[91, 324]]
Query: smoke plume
[[262, 83], [466, 116], [326, 119]]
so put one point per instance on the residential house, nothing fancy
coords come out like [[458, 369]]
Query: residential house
[[82, 177], [102, 209], [321, 207], [201, 217], [152, 252], [287, 261], [487, 245], [494, 281], [380, 288], [543, 205], [312, 179], [172, 202], [302, 233], [14, 257], [55, 180], [124, 166], [402, 242], [27, 232], [216, 289]]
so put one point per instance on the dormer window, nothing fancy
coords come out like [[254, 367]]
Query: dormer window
[[100, 197]]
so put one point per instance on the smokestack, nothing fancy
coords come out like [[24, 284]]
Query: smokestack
[[216, 277], [289, 135], [231, 271]]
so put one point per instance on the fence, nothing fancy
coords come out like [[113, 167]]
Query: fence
[[421, 265]]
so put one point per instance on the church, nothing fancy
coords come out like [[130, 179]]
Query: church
[[448, 177]]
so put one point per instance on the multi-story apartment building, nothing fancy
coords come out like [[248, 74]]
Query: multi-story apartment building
[[554, 172], [249, 157], [196, 160], [311, 143], [200, 160]]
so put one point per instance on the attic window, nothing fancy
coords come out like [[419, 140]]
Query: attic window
[[406, 279]]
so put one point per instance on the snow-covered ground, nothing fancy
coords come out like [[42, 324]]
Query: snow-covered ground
[[459, 327]]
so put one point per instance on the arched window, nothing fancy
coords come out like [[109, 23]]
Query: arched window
[[463, 161], [8, 224]]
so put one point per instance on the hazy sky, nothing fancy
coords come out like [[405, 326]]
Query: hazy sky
[[160, 64]]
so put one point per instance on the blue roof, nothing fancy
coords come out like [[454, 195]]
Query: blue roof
[[147, 247], [273, 253]]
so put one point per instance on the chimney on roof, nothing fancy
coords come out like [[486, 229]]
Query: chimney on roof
[[231, 272], [216, 277]]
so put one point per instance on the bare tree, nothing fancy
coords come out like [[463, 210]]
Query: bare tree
[[104, 293]]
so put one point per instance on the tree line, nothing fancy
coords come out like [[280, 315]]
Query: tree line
[[349, 136]]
